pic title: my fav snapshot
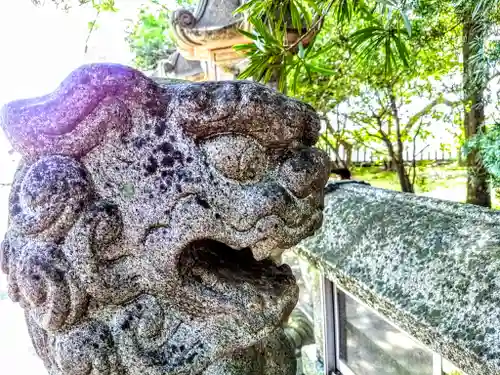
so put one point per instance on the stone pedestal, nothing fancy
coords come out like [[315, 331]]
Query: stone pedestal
[[209, 33], [144, 218], [177, 67], [309, 359]]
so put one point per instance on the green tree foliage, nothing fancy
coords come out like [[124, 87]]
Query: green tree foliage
[[385, 35], [285, 33], [376, 100], [151, 37], [488, 145]]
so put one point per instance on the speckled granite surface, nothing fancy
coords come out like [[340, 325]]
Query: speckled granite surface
[[430, 266], [146, 222]]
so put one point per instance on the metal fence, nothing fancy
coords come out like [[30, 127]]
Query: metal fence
[[367, 156]]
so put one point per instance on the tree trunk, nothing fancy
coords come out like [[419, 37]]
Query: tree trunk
[[393, 164], [348, 153], [478, 189], [404, 179], [397, 158], [398, 163], [460, 158], [348, 157]]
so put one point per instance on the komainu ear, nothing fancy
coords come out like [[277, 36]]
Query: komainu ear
[[77, 116], [48, 196]]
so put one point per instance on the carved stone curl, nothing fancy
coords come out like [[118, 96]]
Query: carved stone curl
[[146, 219], [184, 18]]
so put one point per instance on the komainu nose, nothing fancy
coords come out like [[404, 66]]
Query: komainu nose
[[305, 172]]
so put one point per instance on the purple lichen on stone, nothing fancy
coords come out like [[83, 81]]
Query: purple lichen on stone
[[144, 219]]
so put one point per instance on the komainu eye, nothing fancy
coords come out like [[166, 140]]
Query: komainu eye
[[236, 157]]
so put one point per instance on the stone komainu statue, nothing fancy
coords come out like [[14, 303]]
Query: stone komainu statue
[[145, 221]]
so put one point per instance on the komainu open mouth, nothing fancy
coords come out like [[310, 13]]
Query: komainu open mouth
[[219, 268]]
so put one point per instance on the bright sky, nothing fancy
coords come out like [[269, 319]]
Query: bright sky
[[41, 45]]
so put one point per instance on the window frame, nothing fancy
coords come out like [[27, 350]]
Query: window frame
[[333, 365]]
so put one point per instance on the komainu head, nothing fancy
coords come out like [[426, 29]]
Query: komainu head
[[147, 221]]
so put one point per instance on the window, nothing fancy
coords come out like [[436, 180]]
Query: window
[[450, 369], [359, 341]]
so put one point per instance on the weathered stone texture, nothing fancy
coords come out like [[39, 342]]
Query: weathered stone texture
[[430, 266], [143, 219]]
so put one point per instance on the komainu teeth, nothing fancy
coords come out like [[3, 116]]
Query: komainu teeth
[[277, 256], [260, 252]]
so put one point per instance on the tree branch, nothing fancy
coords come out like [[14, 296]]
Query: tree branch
[[385, 137], [329, 127], [495, 75], [413, 171], [375, 135], [91, 30], [362, 143], [316, 25], [356, 121], [427, 109], [163, 6], [395, 113]]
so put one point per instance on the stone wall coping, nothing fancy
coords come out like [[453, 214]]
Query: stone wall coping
[[431, 267]]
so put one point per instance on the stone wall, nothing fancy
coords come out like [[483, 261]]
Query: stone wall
[[429, 266]]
